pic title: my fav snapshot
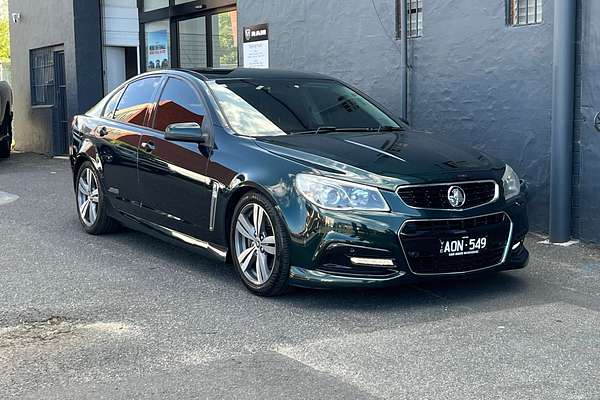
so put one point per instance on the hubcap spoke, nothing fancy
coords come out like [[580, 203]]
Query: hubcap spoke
[[92, 212], [83, 188], [269, 249], [94, 196], [258, 217], [269, 240], [246, 257], [84, 209], [268, 245], [262, 272], [244, 227]]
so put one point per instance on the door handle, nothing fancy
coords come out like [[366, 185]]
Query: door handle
[[102, 131], [148, 147]]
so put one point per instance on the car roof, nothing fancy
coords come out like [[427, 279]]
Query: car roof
[[251, 73]]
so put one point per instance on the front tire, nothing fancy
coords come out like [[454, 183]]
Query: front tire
[[259, 244], [91, 202]]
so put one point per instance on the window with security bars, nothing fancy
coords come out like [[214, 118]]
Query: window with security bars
[[414, 18], [524, 12], [42, 76]]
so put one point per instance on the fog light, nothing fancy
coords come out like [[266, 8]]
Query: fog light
[[516, 245], [381, 262]]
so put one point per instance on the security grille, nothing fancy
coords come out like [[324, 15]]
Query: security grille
[[414, 18], [42, 76], [524, 12]]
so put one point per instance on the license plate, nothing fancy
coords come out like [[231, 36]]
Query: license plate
[[463, 246]]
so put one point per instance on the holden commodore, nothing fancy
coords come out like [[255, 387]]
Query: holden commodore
[[295, 178]]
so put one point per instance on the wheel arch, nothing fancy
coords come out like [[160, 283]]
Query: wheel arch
[[79, 159]]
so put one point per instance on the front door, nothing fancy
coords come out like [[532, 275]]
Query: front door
[[176, 193], [587, 140], [60, 122]]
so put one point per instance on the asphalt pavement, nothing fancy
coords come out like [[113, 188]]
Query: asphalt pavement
[[126, 316]]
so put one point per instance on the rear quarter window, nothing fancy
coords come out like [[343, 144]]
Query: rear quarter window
[[136, 103], [111, 104]]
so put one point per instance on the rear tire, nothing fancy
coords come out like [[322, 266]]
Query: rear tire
[[91, 203], [261, 256], [5, 147], [6, 128]]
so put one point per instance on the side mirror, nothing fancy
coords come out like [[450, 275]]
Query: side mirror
[[186, 132]]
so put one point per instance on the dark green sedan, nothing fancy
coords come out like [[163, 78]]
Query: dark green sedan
[[296, 178]]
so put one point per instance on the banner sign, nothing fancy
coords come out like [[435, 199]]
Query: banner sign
[[157, 50], [256, 46]]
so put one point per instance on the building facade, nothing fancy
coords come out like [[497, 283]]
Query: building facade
[[481, 75]]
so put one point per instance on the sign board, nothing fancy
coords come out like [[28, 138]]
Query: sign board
[[157, 50], [256, 46]]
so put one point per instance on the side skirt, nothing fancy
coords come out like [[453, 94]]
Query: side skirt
[[201, 247]]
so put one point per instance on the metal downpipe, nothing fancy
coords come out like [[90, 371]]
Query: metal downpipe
[[563, 96], [404, 58]]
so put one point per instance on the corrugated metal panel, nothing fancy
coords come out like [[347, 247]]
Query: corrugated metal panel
[[121, 23]]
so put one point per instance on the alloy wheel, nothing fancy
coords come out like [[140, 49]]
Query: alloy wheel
[[88, 197], [255, 247]]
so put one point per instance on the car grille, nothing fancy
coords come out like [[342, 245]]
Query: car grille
[[436, 196], [421, 242]]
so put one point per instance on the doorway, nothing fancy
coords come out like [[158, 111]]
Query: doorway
[[586, 181], [121, 65], [59, 110]]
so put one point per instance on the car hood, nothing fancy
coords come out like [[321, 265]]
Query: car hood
[[385, 159]]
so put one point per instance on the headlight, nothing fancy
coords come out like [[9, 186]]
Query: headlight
[[334, 194], [512, 185]]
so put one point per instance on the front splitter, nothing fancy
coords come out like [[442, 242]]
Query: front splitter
[[316, 279]]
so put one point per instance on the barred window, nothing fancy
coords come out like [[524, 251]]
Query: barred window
[[415, 18], [42, 76], [524, 12], [414, 23]]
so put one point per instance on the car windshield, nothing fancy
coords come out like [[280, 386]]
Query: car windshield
[[257, 107]]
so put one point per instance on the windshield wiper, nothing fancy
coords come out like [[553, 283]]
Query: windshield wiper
[[388, 128], [325, 129], [320, 129]]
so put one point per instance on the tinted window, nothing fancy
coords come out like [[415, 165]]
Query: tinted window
[[136, 102], [274, 106], [179, 102], [112, 104]]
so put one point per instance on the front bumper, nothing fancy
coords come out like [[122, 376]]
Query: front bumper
[[331, 240]]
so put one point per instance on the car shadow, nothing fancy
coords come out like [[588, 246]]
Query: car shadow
[[464, 292]]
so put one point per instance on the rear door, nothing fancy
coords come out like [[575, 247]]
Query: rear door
[[176, 192], [126, 117]]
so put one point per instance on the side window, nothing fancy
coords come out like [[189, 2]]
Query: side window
[[109, 110], [136, 103], [179, 102]]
